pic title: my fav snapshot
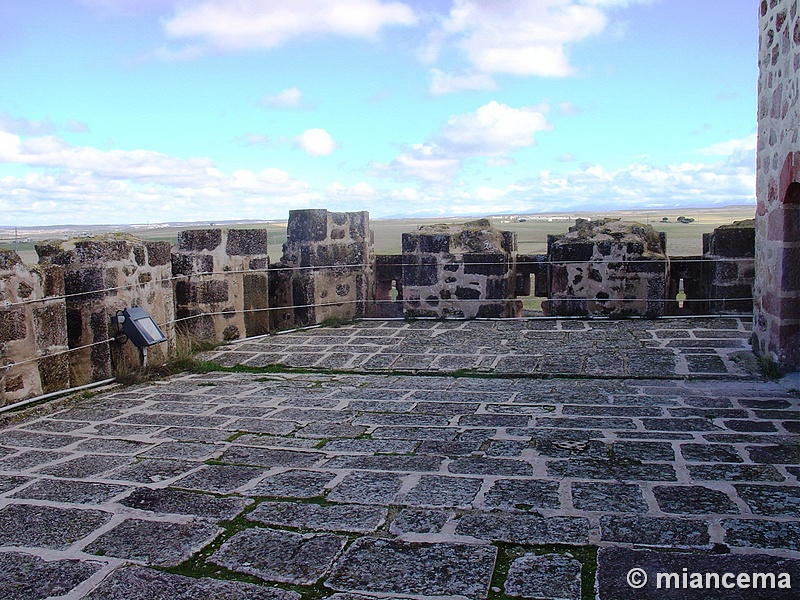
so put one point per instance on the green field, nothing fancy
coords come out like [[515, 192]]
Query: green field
[[682, 239]]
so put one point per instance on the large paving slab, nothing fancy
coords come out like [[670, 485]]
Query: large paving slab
[[638, 348], [360, 483]]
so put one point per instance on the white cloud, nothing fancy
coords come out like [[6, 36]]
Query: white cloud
[[443, 83], [84, 184], [569, 108], [494, 130], [316, 142], [233, 25], [290, 98], [426, 162], [520, 37], [747, 144], [51, 151], [75, 126], [80, 184]]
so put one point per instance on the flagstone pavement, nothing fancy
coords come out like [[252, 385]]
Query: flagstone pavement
[[425, 459]]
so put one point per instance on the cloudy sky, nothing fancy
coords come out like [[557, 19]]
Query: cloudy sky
[[120, 111]]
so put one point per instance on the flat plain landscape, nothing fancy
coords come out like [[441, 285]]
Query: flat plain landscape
[[683, 239]]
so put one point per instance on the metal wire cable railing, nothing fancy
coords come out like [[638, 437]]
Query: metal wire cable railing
[[411, 302], [228, 313], [359, 267]]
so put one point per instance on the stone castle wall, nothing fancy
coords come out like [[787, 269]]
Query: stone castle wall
[[777, 285], [463, 271], [607, 268], [221, 283], [328, 263], [33, 329], [101, 278], [56, 327]]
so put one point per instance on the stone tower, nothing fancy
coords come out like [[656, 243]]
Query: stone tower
[[777, 285]]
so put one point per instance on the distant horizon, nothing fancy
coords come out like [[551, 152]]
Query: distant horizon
[[6, 229], [197, 110]]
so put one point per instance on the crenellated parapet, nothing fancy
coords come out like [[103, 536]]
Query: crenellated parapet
[[327, 266], [221, 283], [103, 276], [56, 318], [463, 271], [607, 268], [33, 329]]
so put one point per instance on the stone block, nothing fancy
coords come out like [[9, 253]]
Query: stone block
[[185, 292], [197, 240], [574, 252], [54, 372], [281, 556], [389, 267], [652, 531], [158, 253], [735, 240], [420, 271], [139, 255], [159, 543], [359, 226], [51, 252], [12, 325], [135, 582], [86, 279], [394, 567], [191, 264], [50, 324], [349, 518], [258, 264], [516, 528], [14, 383], [762, 534], [309, 225], [333, 256], [28, 576], [47, 527], [465, 293], [434, 244], [509, 241], [489, 264], [53, 284], [9, 260], [101, 251], [213, 291], [555, 576], [246, 242], [410, 242], [24, 290], [256, 303]]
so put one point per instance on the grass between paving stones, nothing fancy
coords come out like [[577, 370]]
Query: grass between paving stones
[[508, 553], [201, 367], [198, 565]]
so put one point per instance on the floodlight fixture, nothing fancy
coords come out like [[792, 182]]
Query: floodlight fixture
[[139, 327]]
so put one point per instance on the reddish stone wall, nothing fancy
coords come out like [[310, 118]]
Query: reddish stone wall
[[33, 330], [777, 283]]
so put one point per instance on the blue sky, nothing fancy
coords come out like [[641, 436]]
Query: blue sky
[[244, 109]]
